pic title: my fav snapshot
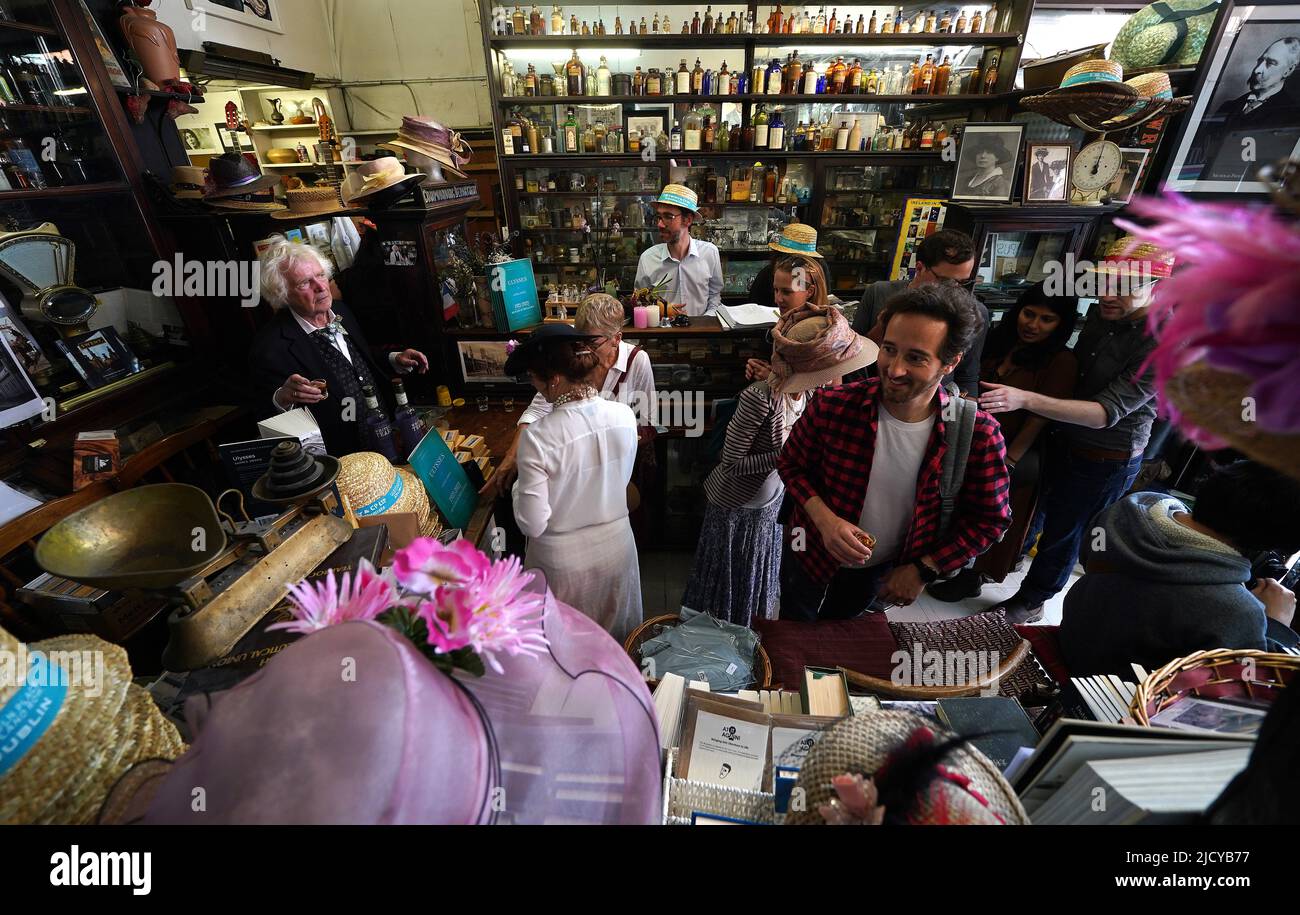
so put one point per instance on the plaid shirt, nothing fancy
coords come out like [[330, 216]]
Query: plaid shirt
[[829, 454]]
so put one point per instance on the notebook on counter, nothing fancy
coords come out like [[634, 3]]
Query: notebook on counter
[[748, 315]]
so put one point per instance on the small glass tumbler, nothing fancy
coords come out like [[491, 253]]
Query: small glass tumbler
[[482, 403]]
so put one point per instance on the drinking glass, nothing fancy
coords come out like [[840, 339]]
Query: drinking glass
[[482, 403]]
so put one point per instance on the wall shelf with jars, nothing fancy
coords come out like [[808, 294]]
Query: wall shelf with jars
[[812, 100]]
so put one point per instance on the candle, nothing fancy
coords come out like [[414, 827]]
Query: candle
[[639, 317], [652, 315]]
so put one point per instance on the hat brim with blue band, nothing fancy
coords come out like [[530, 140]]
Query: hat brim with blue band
[[678, 200], [794, 247]]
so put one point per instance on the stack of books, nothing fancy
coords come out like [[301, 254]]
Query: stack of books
[[746, 316]]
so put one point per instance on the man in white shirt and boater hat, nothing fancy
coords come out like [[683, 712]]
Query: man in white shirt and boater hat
[[689, 270]]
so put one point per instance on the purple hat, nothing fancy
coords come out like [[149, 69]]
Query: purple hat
[[565, 737]]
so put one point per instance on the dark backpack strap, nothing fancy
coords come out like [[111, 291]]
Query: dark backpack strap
[[958, 431], [618, 386]]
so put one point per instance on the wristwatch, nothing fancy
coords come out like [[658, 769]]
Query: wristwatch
[[928, 575]]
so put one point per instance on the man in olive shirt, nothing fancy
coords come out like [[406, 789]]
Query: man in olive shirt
[[1106, 429], [946, 256]]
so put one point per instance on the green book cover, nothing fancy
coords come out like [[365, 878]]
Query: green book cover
[[514, 294], [444, 479]]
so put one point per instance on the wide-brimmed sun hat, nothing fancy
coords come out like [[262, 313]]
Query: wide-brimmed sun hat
[[813, 345], [232, 175], [797, 238], [305, 202], [1095, 76], [380, 182]]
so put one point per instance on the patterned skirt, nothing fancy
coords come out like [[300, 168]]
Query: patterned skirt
[[737, 572]]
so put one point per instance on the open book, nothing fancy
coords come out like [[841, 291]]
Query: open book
[[750, 314]]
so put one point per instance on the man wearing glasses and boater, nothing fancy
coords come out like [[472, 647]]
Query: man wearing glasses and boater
[[688, 270]]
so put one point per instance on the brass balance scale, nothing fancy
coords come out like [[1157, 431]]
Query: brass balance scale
[[1098, 114], [43, 264], [220, 576]]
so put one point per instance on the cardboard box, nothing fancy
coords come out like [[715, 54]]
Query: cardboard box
[[474, 444], [403, 527], [819, 674]]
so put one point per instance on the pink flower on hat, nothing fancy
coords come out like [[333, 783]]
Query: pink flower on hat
[[332, 600], [426, 564], [448, 620]]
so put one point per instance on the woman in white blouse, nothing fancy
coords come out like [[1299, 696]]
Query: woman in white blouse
[[574, 463], [627, 377]]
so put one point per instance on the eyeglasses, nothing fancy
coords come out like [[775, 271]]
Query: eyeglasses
[[667, 217], [304, 285]]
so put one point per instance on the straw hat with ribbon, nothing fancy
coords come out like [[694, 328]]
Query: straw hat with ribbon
[[381, 182], [188, 182], [71, 722], [1095, 76], [965, 787], [431, 141], [813, 345], [797, 238], [1128, 257], [679, 195], [1147, 86], [373, 486], [306, 202]]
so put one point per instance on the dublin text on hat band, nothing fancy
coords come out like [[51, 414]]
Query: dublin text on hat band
[[386, 501]]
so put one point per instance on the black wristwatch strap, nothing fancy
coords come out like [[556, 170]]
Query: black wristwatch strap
[[928, 574]]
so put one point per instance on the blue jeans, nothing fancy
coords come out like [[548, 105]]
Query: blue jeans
[[1076, 491]]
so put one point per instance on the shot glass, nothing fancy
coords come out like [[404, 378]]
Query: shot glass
[[482, 403]]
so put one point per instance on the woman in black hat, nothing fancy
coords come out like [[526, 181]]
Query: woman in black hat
[[989, 166], [574, 465]]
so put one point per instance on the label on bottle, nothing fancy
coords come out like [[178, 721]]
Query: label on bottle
[[760, 136], [570, 138], [692, 139], [776, 138], [683, 83], [507, 142], [810, 83], [675, 142], [774, 82]]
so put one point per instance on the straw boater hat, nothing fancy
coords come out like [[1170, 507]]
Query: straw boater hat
[[797, 238], [379, 183], [188, 182], [373, 486], [305, 202], [813, 345], [1095, 76], [1147, 85], [62, 771], [1129, 257], [967, 788], [431, 142], [679, 195]]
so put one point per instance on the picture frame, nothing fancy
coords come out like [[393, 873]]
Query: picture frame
[[223, 133], [1130, 171], [260, 14], [649, 117], [318, 234], [1221, 145], [198, 140], [1047, 172], [115, 72], [482, 363], [983, 180]]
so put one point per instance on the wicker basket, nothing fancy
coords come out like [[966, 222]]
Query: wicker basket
[[682, 798], [653, 626], [1100, 112], [1216, 674]]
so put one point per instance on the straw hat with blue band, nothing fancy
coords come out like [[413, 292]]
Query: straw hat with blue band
[[1095, 76], [796, 238], [679, 195], [373, 486]]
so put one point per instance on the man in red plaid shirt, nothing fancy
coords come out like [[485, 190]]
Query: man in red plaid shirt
[[868, 456]]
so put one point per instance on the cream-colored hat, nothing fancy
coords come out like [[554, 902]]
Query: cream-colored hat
[[797, 238], [372, 177], [373, 486], [85, 724], [312, 201]]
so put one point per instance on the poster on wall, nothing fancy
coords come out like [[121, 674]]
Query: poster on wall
[[260, 14], [1246, 112], [921, 218]]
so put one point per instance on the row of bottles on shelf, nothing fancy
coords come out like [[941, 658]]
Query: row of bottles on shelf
[[754, 184], [616, 181], [878, 214], [46, 81], [795, 77], [801, 22], [61, 164]]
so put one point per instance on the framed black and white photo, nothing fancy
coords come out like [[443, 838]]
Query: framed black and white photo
[[260, 14], [986, 163], [198, 140], [1246, 112], [1130, 170], [649, 120], [1047, 172], [484, 362]]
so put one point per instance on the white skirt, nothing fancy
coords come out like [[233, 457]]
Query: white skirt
[[595, 570]]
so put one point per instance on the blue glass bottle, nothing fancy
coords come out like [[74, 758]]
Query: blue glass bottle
[[821, 84], [706, 87]]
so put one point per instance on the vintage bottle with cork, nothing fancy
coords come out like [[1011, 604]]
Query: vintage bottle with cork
[[991, 20], [519, 21], [990, 84], [603, 78], [572, 137], [962, 23], [682, 85], [697, 78], [925, 79], [576, 76], [776, 131], [762, 127], [853, 81], [376, 430], [942, 76], [931, 22], [977, 23], [535, 26]]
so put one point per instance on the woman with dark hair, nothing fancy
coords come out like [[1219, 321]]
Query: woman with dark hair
[[989, 165], [1028, 348], [574, 465]]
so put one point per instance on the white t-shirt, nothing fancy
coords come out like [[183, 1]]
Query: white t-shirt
[[891, 492]]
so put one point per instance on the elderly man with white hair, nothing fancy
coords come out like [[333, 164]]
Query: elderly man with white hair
[[314, 338]]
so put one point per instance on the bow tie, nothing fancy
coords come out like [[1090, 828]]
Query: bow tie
[[332, 329]]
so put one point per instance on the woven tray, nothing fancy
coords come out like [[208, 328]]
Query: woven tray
[[682, 798], [1219, 674], [655, 625], [1100, 112]]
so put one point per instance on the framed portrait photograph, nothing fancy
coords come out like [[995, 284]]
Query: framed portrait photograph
[[986, 163], [1246, 112], [1130, 170], [1047, 172], [649, 120], [198, 140], [260, 14]]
